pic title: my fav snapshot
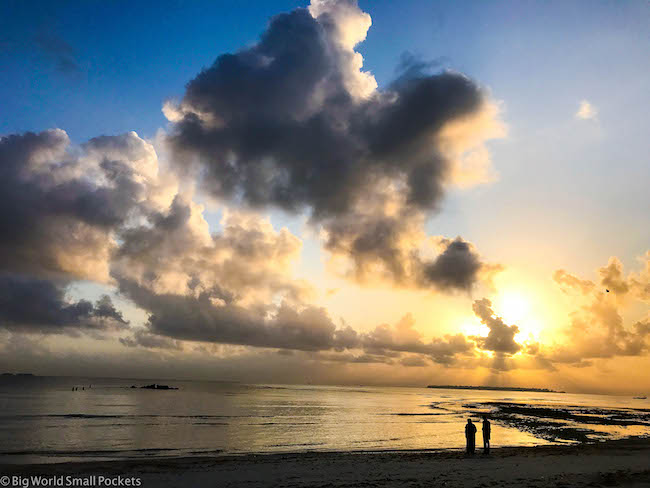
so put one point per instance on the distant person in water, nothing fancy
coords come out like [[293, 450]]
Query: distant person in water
[[487, 428], [470, 435]]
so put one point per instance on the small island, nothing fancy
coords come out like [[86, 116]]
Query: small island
[[156, 387], [493, 388]]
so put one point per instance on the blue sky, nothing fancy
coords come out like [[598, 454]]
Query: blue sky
[[131, 57], [537, 56]]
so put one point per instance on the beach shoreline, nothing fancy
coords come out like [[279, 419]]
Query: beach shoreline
[[610, 463]]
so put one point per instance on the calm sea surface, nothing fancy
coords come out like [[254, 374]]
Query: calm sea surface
[[42, 420]]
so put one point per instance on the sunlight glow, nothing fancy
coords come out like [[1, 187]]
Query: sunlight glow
[[513, 307], [516, 309], [475, 328]]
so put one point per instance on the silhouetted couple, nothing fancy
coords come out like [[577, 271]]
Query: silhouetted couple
[[470, 435]]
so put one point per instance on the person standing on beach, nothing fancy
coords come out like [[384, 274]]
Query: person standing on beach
[[487, 428], [470, 435]]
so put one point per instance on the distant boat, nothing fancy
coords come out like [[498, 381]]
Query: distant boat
[[641, 398]]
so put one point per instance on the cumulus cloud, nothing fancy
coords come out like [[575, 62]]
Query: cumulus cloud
[[640, 282], [175, 253], [46, 226], [62, 208], [201, 319], [457, 267], [596, 329], [345, 26], [612, 280], [404, 338], [462, 142], [611, 277], [294, 122], [586, 111], [571, 283], [59, 208], [413, 361], [37, 305], [369, 243]]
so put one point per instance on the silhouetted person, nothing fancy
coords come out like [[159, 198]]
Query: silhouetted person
[[470, 435], [487, 429]]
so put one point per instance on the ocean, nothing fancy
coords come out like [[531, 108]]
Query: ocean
[[43, 420]]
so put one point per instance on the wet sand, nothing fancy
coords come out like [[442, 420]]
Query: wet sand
[[613, 463]]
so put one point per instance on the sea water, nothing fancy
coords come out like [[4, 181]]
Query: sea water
[[42, 419]]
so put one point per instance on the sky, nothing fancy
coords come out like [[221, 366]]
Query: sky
[[328, 192]]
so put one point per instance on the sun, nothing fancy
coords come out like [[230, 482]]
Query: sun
[[516, 308], [513, 306]]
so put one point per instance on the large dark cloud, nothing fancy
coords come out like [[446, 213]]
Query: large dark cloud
[[290, 122], [199, 319], [36, 305], [57, 209], [383, 245], [457, 267], [254, 120]]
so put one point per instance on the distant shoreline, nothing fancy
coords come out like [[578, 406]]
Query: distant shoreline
[[493, 388]]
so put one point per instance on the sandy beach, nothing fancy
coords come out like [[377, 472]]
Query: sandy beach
[[615, 463]]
